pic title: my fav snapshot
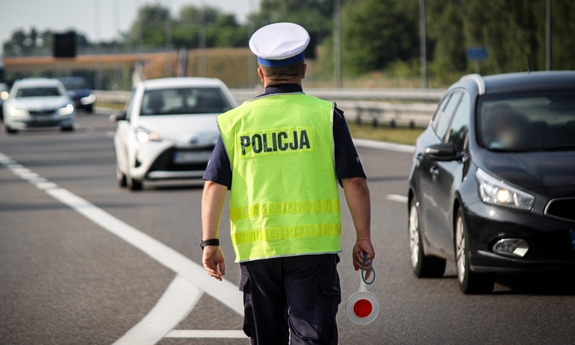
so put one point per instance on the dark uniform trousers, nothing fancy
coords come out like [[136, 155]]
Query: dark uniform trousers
[[291, 300]]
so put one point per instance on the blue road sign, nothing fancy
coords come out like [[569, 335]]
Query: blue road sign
[[477, 53]]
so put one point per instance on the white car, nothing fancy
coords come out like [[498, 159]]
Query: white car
[[38, 102], [169, 129]]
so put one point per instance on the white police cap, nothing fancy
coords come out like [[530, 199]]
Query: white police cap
[[279, 44]]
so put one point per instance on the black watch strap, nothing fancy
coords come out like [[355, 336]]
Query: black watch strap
[[210, 242]]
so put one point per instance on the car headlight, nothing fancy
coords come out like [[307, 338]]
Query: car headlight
[[17, 112], [496, 192], [88, 99], [143, 135], [67, 110], [4, 95]]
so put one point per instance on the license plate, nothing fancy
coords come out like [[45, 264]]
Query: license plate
[[573, 238], [43, 118], [192, 157]]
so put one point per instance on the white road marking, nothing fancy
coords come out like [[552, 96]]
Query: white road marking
[[182, 294], [179, 333], [383, 145], [398, 198], [174, 305], [224, 291], [46, 185], [29, 176], [35, 180]]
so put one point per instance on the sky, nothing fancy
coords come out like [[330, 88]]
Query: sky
[[95, 18]]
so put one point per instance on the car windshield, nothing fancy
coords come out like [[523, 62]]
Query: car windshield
[[522, 122], [38, 91], [75, 85], [182, 101]]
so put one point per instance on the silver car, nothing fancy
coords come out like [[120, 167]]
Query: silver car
[[38, 102], [169, 129]]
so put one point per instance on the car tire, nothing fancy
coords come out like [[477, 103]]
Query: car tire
[[122, 178], [10, 130], [132, 183], [469, 282], [89, 109], [67, 128], [424, 266]]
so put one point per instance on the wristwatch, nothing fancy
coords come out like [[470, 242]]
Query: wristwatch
[[210, 242]]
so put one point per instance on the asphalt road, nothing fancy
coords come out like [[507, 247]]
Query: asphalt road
[[64, 279]]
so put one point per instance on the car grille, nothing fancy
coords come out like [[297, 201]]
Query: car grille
[[561, 208], [42, 112], [165, 161]]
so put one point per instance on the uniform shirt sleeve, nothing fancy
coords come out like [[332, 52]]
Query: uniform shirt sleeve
[[219, 169], [347, 163]]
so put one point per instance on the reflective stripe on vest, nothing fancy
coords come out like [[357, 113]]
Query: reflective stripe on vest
[[284, 198]]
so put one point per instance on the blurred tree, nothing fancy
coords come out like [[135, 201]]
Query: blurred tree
[[227, 32], [446, 36], [511, 31], [314, 15], [150, 26], [23, 43], [563, 29], [222, 29], [377, 33]]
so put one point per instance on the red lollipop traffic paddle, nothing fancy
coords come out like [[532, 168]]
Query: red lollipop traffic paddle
[[362, 307]]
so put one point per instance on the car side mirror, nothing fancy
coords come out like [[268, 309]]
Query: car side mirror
[[444, 152], [118, 117]]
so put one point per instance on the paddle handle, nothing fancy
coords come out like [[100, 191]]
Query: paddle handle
[[362, 285]]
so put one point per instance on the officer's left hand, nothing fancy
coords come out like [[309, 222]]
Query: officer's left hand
[[214, 262], [359, 248]]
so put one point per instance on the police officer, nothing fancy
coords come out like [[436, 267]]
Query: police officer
[[281, 155]]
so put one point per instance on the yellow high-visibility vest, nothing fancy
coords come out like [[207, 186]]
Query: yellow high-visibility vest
[[284, 199]]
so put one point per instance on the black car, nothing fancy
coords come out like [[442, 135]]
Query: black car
[[493, 180], [80, 92]]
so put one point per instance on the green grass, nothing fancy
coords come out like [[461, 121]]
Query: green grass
[[114, 106], [398, 135]]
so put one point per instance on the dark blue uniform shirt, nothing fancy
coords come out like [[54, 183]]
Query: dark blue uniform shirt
[[347, 164]]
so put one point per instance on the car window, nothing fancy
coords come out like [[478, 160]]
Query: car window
[[439, 111], [446, 114], [527, 121], [40, 91], [184, 101], [460, 124]]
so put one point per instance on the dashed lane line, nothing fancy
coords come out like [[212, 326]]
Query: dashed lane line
[[397, 198], [384, 145], [184, 291]]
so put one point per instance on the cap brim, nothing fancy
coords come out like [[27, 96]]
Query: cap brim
[[281, 63]]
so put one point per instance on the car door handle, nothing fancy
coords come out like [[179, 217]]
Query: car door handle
[[434, 171], [419, 156]]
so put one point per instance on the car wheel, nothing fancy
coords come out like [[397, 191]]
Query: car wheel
[[122, 179], [469, 282], [67, 128], [424, 266], [90, 109], [10, 130], [132, 183]]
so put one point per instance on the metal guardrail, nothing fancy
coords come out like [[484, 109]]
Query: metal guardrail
[[412, 107], [411, 95]]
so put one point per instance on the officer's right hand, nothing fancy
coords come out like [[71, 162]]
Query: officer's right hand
[[214, 262]]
